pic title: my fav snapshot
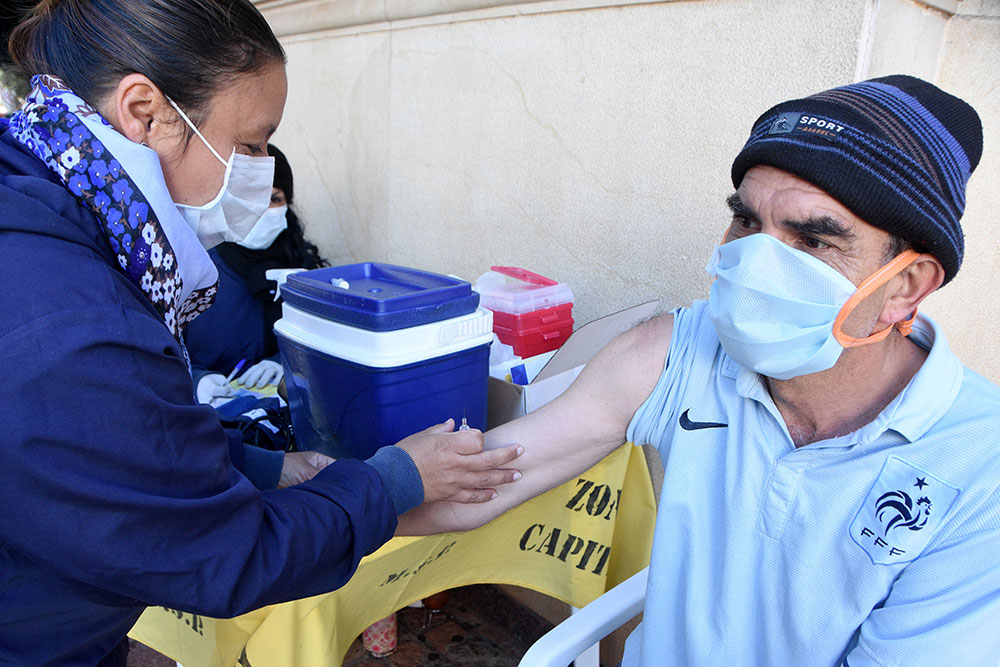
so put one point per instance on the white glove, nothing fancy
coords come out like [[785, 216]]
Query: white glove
[[261, 374], [214, 390]]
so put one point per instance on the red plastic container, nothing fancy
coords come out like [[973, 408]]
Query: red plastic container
[[533, 314]]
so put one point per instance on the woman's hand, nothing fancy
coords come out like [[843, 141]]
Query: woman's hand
[[261, 374], [214, 390], [299, 467], [453, 465]]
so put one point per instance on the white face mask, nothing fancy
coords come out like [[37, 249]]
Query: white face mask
[[778, 311], [244, 197], [273, 222]]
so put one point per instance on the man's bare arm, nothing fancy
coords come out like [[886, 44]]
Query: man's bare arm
[[568, 435]]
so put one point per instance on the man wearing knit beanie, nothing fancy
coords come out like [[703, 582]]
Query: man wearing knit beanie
[[830, 492], [897, 151]]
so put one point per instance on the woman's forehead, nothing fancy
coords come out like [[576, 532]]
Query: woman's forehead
[[252, 103]]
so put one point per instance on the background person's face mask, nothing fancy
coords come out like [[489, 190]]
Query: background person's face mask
[[778, 311], [244, 197], [273, 222]]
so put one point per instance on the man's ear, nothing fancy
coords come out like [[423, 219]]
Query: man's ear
[[136, 108], [911, 286]]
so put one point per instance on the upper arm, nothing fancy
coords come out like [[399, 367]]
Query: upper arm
[[569, 434]]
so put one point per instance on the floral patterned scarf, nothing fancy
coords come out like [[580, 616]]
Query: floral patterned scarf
[[97, 164]]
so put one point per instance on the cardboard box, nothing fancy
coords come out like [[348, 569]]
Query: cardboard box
[[508, 401]]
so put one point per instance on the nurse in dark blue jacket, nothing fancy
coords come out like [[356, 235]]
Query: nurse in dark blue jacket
[[142, 144]]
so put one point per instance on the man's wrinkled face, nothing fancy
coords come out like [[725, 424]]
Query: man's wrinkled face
[[801, 215]]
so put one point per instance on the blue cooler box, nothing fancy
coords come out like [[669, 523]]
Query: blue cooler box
[[375, 352]]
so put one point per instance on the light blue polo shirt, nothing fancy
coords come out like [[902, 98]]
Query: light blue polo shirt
[[881, 547]]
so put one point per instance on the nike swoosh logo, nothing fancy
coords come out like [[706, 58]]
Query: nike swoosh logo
[[689, 425]]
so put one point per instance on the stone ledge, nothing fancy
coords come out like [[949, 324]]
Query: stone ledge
[[299, 17], [291, 18]]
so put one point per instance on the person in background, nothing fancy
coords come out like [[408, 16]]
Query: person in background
[[142, 143], [831, 489], [239, 327], [240, 324]]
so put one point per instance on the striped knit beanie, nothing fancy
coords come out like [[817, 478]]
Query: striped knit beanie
[[897, 151]]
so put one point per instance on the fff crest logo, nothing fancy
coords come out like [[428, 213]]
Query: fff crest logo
[[901, 512]]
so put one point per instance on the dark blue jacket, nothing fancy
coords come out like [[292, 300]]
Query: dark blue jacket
[[117, 490], [233, 328]]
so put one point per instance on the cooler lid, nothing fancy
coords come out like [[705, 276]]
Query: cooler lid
[[379, 297]]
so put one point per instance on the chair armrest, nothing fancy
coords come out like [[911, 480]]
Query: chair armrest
[[563, 643]]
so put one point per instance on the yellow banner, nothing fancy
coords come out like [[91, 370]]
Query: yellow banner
[[572, 543]]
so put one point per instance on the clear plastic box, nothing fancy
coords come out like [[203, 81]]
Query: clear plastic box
[[532, 313], [529, 291]]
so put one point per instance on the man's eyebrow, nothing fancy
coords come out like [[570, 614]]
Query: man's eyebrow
[[737, 206], [823, 225]]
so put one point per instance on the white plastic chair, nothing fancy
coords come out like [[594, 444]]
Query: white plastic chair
[[564, 643]]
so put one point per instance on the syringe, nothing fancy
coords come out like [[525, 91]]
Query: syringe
[[465, 422]]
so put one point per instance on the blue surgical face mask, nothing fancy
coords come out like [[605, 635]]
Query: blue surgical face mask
[[244, 197], [778, 311]]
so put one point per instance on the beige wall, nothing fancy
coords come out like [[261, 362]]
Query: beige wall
[[590, 140], [969, 66]]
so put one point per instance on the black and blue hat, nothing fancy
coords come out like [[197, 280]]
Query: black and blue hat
[[897, 151]]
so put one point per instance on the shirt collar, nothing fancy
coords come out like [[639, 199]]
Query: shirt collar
[[931, 392], [924, 400]]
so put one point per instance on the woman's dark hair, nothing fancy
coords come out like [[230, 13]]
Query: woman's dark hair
[[189, 48], [282, 172], [307, 254]]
